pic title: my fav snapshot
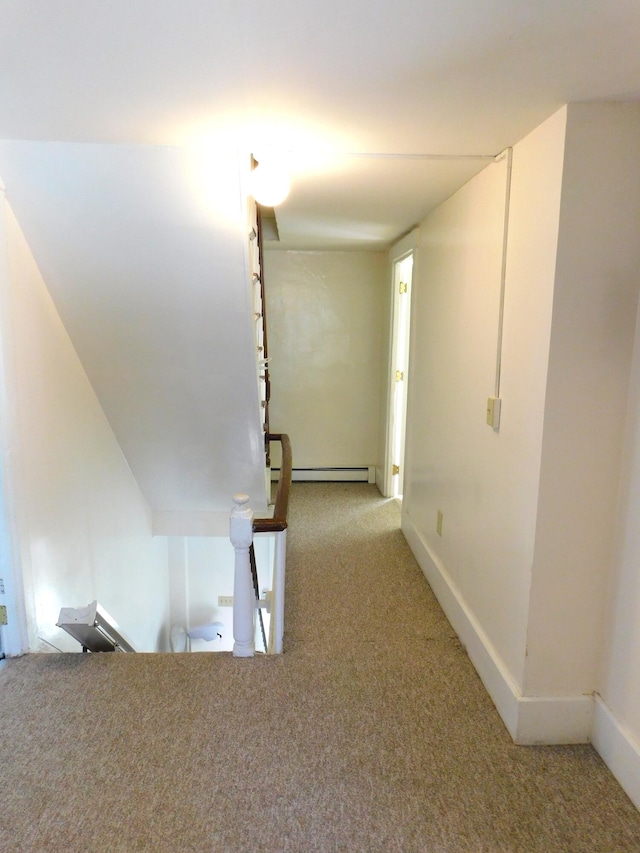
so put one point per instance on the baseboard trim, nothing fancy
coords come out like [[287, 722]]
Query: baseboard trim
[[529, 720], [618, 749], [549, 720], [379, 480]]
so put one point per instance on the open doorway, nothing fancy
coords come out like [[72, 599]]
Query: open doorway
[[399, 363]]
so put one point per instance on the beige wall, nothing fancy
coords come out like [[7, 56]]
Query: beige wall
[[83, 526], [326, 322]]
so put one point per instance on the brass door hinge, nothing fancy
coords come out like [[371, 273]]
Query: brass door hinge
[[395, 469], [399, 376], [403, 287], [3, 615]]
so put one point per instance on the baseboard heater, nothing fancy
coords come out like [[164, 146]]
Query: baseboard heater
[[366, 474]]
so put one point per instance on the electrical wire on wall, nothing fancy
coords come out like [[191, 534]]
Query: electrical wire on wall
[[494, 404], [503, 272]]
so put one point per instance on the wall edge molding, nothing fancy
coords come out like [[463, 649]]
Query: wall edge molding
[[618, 749]]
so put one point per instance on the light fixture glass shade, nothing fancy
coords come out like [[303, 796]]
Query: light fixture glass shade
[[270, 183]]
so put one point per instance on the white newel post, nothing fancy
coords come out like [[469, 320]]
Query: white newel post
[[244, 602]]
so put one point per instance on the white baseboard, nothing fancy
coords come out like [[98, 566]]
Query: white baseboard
[[618, 749], [529, 720], [554, 719]]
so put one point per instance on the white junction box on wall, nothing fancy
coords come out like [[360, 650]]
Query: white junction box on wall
[[494, 404]]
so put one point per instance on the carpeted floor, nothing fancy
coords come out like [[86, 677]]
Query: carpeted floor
[[371, 734]]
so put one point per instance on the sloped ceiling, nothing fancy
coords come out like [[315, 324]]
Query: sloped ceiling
[[127, 126], [149, 274]]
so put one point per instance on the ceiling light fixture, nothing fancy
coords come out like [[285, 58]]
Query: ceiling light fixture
[[270, 182]]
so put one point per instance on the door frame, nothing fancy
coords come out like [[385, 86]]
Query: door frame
[[15, 636], [403, 249]]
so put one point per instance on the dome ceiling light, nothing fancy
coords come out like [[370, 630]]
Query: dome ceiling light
[[270, 181]]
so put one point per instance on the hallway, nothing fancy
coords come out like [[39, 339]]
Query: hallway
[[371, 734]]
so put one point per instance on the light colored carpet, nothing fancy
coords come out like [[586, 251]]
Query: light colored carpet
[[371, 733]]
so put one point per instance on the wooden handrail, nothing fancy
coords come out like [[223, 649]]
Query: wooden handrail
[[279, 520]]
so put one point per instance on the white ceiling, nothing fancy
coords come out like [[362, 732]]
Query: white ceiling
[[128, 122], [410, 77]]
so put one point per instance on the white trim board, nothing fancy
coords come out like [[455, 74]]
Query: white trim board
[[618, 749], [529, 720], [365, 474], [405, 245]]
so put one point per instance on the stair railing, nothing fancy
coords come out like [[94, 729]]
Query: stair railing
[[246, 593], [256, 261]]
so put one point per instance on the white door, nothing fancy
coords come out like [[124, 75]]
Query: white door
[[402, 274]]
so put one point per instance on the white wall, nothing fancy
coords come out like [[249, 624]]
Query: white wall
[[483, 482], [326, 315], [201, 569], [617, 722], [524, 563], [594, 311], [83, 528]]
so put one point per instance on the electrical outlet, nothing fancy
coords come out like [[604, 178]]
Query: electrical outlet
[[439, 523], [225, 601]]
